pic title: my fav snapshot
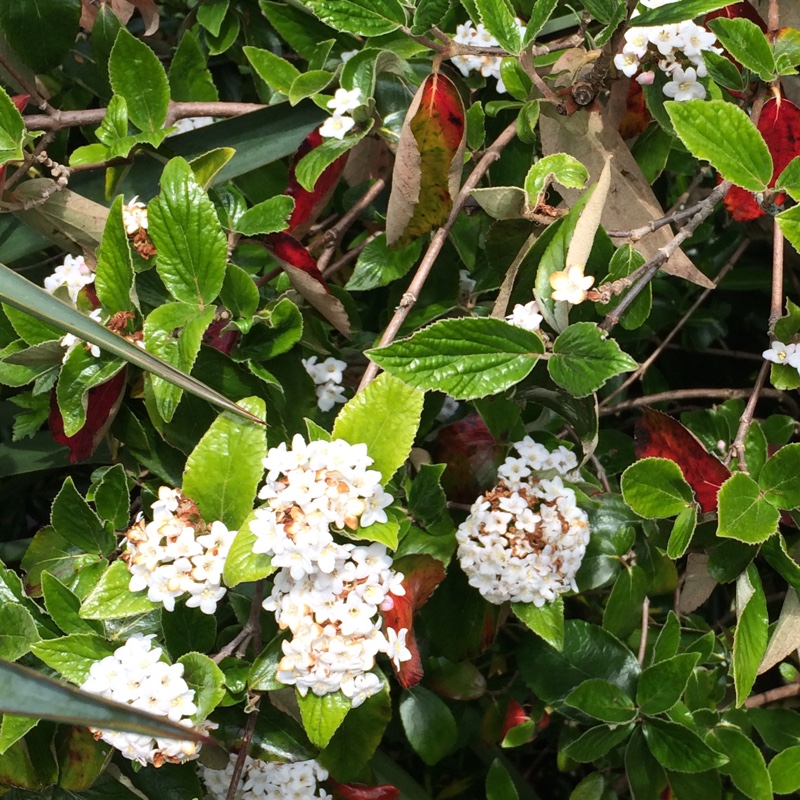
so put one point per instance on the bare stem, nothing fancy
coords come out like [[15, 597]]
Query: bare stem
[[737, 447], [350, 255], [490, 155], [29, 88], [781, 693], [689, 394], [776, 301], [645, 626]]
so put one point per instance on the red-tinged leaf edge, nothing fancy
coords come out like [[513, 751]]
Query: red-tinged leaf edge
[[515, 715], [287, 250], [309, 204], [102, 405], [421, 575], [658, 435], [360, 791]]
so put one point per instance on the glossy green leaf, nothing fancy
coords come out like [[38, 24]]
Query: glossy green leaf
[[623, 611], [63, 605], [661, 685], [625, 261], [243, 565], [12, 128], [206, 679], [111, 598], [192, 250], [429, 724], [780, 478], [188, 630], [269, 216], [322, 716], [746, 42], [223, 471], [682, 532], [136, 75], [315, 162], [72, 656], [560, 167], [584, 359], [384, 417], [655, 487], [602, 700], [499, 785], [112, 497], [746, 764], [263, 673], [13, 729], [377, 265], [207, 166], [679, 748], [114, 274], [75, 521], [190, 80], [778, 727], [546, 621], [498, 18], [784, 771], [466, 358], [645, 775], [744, 513], [275, 71], [686, 9], [598, 741], [789, 223], [750, 637], [17, 631], [540, 14], [239, 293], [722, 134], [309, 84], [789, 179], [427, 14], [361, 17]]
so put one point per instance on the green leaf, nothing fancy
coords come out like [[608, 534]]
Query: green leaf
[[315, 162], [546, 621], [745, 765], [263, 673], [111, 598], [361, 17], [190, 80], [114, 275], [427, 14], [784, 771], [362, 70], [789, 179], [12, 128], [755, 450], [744, 513], [540, 14], [25, 692], [137, 76], [625, 261], [778, 727], [322, 716], [722, 134], [645, 776], [174, 332], [41, 34], [466, 358], [223, 471], [384, 417], [623, 611], [476, 126], [686, 9], [668, 639], [297, 26], [112, 497], [602, 700], [243, 565], [13, 729], [211, 13], [498, 18], [655, 487], [184, 227], [17, 631], [746, 42], [76, 522], [429, 724], [661, 685], [750, 637], [584, 359], [239, 293], [269, 216], [309, 84], [188, 629], [598, 741], [499, 785], [789, 223], [680, 749], [682, 532], [63, 606], [207, 166], [378, 265], [207, 680], [72, 656], [560, 167], [275, 71], [780, 478]]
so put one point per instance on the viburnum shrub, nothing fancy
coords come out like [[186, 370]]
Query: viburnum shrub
[[398, 400]]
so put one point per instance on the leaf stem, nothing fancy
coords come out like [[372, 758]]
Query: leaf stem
[[645, 625]]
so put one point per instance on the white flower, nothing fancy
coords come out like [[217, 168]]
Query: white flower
[[449, 409], [268, 780], [646, 78], [336, 127], [684, 85], [344, 101], [526, 316], [696, 38], [780, 353], [73, 273], [627, 63], [636, 41], [396, 649], [570, 285], [71, 341], [666, 38], [328, 394], [347, 55], [134, 216], [189, 124]]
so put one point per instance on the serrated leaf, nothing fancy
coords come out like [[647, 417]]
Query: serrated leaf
[[679, 748], [746, 765], [427, 14], [661, 685], [114, 274], [276, 72], [75, 521], [268, 216], [746, 42], [750, 636], [112, 599], [546, 621], [17, 631], [377, 265], [560, 167], [744, 512], [602, 700], [72, 656], [243, 565], [498, 18], [12, 128], [466, 358], [780, 478], [322, 716], [686, 9], [206, 679], [655, 487], [361, 17], [63, 605]]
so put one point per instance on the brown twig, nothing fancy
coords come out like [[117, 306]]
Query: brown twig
[[350, 255], [490, 155], [645, 626], [688, 394], [647, 271], [737, 446], [770, 696], [27, 87], [776, 299], [253, 622], [30, 160], [634, 234], [648, 362]]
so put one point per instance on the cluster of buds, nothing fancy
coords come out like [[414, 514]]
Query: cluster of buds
[[327, 377], [136, 676], [525, 538], [478, 36], [178, 554], [268, 780], [327, 594], [134, 220], [676, 50]]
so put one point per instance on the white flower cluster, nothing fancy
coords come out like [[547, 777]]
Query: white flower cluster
[[524, 539], [177, 553], [336, 126], [134, 216], [135, 675], [676, 49], [73, 273], [327, 594], [327, 376], [186, 124], [526, 316], [478, 36], [267, 780], [780, 353]]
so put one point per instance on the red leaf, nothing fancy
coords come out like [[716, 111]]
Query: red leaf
[[636, 117], [360, 791], [102, 406], [429, 161], [220, 339], [657, 435], [422, 574], [309, 204], [737, 11], [289, 251], [515, 715]]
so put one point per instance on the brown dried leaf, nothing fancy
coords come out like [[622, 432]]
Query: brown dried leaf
[[697, 585], [631, 203], [315, 293], [785, 638]]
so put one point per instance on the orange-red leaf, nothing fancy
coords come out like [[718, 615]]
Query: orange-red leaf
[[360, 791], [636, 117], [657, 435], [421, 575], [427, 168]]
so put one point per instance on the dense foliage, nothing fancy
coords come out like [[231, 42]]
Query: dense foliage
[[291, 507]]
